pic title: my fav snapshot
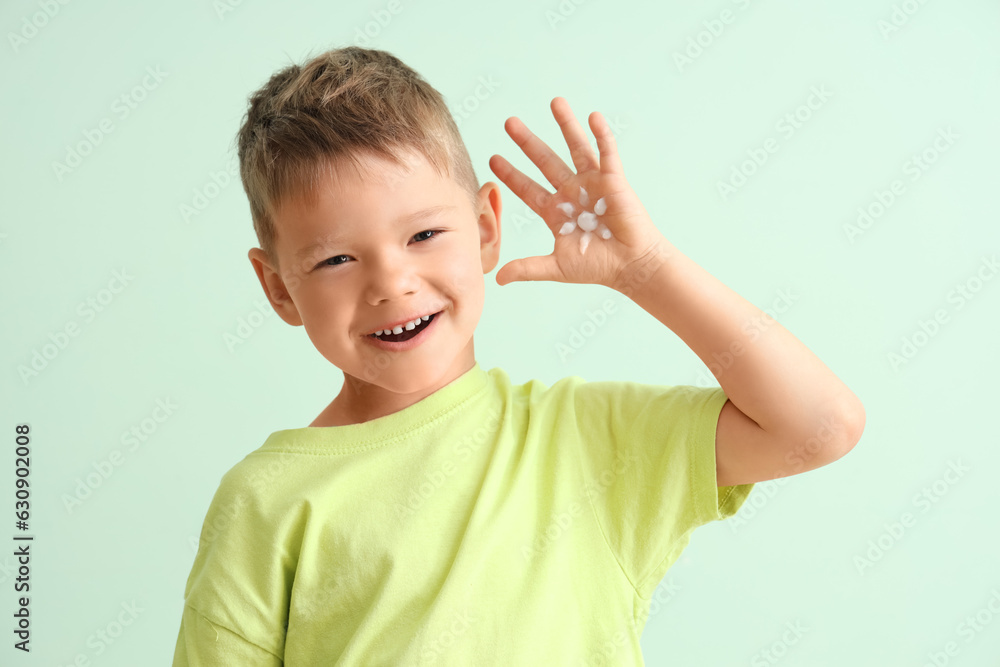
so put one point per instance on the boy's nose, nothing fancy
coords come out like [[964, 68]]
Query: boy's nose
[[390, 280]]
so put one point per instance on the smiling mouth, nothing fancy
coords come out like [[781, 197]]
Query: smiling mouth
[[405, 335]]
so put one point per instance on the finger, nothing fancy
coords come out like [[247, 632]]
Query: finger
[[577, 140], [610, 162], [550, 164], [530, 192], [530, 268]]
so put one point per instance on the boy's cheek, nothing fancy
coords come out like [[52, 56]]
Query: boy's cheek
[[465, 282]]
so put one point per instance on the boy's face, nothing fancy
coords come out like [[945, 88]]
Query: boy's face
[[353, 263]]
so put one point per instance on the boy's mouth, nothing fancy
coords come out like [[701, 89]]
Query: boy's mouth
[[405, 335]]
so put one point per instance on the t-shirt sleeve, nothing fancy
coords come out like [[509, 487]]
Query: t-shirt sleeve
[[236, 601], [648, 460], [203, 643]]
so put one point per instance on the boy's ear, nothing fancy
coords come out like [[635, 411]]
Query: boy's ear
[[274, 287], [489, 225]]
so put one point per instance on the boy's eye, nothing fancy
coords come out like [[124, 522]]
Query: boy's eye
[[327, 262], [434, 232]]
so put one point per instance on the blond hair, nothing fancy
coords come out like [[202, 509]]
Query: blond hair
[[309, 120]]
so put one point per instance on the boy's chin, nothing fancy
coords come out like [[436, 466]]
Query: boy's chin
[[396, 377]]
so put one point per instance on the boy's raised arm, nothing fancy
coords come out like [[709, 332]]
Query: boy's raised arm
[[787, 411]]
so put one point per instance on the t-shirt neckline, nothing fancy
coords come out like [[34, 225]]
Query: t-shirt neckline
[[387, 427]]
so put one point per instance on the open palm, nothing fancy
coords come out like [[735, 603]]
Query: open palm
[[602, 261]]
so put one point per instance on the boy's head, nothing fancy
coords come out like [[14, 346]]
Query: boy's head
[[336, 156]]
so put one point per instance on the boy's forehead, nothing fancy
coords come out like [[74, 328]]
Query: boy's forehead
[[342, 186], [343, 200], [369, 180], [370, 167]]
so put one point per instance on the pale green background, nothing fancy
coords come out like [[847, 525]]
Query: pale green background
[[679, 132]]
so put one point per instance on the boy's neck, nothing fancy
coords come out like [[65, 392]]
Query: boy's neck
[[353, 406]]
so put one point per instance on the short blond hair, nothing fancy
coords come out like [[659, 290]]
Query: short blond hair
[[309, 120]]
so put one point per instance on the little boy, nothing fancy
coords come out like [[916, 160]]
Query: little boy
[[434, 512]]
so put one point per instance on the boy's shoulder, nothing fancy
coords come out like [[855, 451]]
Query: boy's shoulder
[[604, 407], [256, 482], [602, 392], [588, 392]]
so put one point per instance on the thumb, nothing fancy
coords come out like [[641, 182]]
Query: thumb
[[529, 268]]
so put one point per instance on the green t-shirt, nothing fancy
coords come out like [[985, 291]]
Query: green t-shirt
[[485, 524]]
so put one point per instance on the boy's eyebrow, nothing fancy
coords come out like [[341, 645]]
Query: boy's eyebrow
[[406, 219]]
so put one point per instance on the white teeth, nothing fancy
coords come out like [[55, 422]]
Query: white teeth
[[409, 326]]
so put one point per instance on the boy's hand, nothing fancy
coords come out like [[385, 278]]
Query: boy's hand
[[602, 261]]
